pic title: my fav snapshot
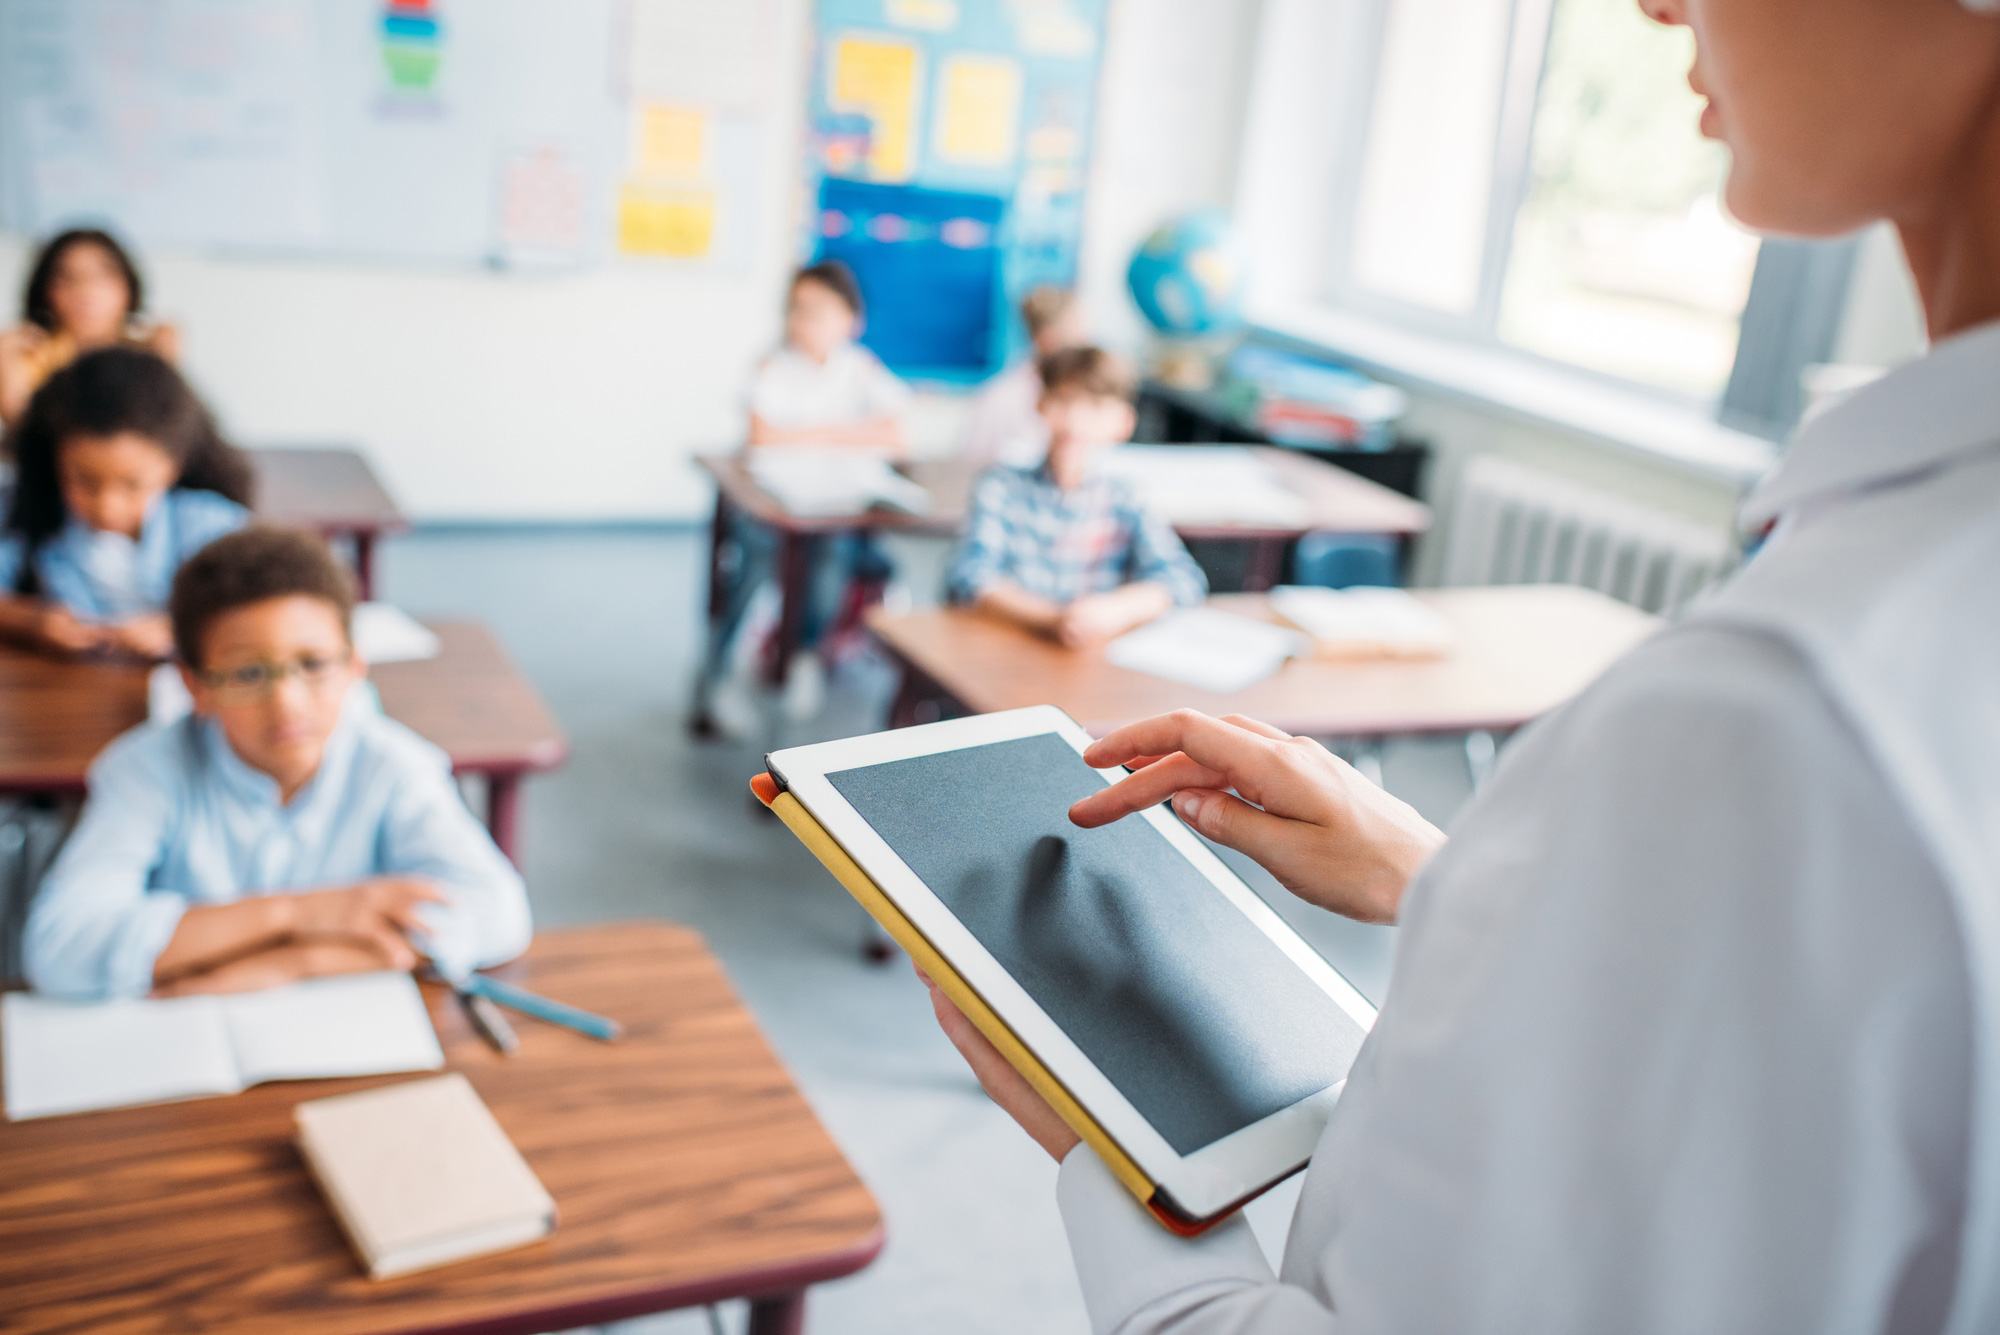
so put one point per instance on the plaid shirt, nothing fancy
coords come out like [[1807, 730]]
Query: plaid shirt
[[1064, 544]]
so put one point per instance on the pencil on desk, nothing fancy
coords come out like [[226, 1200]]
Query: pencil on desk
[[555, 1012], [490, 1023]]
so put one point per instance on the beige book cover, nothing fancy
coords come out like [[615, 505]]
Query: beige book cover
[[420, 1174]]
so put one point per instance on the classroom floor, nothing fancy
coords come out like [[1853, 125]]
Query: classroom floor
[[643, 822]]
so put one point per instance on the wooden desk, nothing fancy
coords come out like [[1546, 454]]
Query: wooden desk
[[685, 1166], [1520, 652], [332, 492], [1336, 502], [470, 700]]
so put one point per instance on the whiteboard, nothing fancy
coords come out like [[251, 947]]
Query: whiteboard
[[475, 131]]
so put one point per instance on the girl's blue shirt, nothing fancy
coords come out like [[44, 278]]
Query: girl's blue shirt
[[107, 576]]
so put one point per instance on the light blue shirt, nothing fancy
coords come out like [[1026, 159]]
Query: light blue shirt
[[107, 576], [176, 819]]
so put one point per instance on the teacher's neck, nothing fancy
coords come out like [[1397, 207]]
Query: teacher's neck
[[1953, 244]]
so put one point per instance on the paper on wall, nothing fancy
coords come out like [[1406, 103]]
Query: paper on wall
[[877, 78], [676, 224], [979, 110]]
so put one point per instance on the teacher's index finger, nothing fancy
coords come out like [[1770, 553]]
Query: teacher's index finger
[[1213, 742], [1144, 788]]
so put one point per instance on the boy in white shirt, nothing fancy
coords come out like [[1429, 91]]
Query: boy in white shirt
[[1007, 426], [820, 388]]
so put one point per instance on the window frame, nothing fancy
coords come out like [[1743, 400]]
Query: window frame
[[1789, 321]]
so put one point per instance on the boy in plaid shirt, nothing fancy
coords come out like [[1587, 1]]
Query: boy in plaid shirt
[[1059, 549]]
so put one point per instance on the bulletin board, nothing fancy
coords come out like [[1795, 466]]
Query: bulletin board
[[515, 133], [947, 156]]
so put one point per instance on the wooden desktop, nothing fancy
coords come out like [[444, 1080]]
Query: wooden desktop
[[685, 1166]]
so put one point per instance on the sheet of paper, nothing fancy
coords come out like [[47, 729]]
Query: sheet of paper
[[979, 110], [878, 79], [671, 140], [696, 51], [674, 224], [542, 207], [1198, 485], [1204, 648], [385, 633], [817, 482], [71, 1056], [1364, 621], [356, 1024]]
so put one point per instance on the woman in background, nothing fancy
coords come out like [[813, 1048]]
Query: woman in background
[[84, 292]]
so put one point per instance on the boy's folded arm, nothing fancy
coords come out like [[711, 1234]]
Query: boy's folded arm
[[97, 928], [430, 833], [1002, 597]]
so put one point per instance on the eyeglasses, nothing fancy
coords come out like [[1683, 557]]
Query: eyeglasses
[[256, 681]]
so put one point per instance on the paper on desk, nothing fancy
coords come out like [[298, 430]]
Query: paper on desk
[[1204, 648], [1193, 485], [1364, 622], [70, 1056], [383, 633], [821, 482]]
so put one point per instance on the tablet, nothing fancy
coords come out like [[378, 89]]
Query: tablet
[[1175, 1022]]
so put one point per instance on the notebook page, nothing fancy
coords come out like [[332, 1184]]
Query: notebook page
[[354, 1024], [1210, 650], [70, 1056]]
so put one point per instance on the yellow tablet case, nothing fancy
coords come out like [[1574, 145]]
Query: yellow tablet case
[[880, 907]]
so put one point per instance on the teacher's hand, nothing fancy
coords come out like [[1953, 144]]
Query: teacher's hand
[[1329, 836], [1002, 1083]]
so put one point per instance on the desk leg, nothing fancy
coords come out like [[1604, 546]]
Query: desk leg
[[718, 539], [364, 565], [503, 813], [794, 579], [784, 1314], [1266, 566]]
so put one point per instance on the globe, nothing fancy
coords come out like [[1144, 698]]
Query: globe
[[1188, 276]]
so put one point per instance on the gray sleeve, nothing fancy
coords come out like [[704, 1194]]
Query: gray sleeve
[[1679, 1039]]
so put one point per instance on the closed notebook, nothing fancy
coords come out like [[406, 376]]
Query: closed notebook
[[419, 1174]]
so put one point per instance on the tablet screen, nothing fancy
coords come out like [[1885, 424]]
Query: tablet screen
[[1197, 1017]]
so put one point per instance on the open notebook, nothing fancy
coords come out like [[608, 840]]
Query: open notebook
[[67, 1056]]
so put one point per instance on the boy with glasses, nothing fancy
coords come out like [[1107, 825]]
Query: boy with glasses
[[285, 829]]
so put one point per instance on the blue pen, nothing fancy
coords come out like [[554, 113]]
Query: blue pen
[[555, 1012]]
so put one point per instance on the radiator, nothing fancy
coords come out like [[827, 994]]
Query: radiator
[[1515, 525]]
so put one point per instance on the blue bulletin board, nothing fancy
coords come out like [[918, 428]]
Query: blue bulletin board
[[947, 157]]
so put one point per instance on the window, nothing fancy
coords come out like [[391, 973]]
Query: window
[[1528, 174]]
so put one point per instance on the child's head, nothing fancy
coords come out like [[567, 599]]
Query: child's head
[[1086, 400], [106, 437], [823, 312], [85, 285], [261, 620], [1054, 319]]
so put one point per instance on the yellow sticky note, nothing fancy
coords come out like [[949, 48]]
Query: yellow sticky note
[[677, 223], [979, 110], [672, 140], [878, 79]]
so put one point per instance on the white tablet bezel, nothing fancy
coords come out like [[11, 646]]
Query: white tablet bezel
[[1201, 1184]]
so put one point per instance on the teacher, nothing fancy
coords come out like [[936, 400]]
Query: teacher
[[1694, 1019]]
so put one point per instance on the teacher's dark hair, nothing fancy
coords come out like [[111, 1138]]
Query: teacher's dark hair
[[35, 306]]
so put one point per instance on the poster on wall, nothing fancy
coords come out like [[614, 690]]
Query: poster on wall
[[948, 150]]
